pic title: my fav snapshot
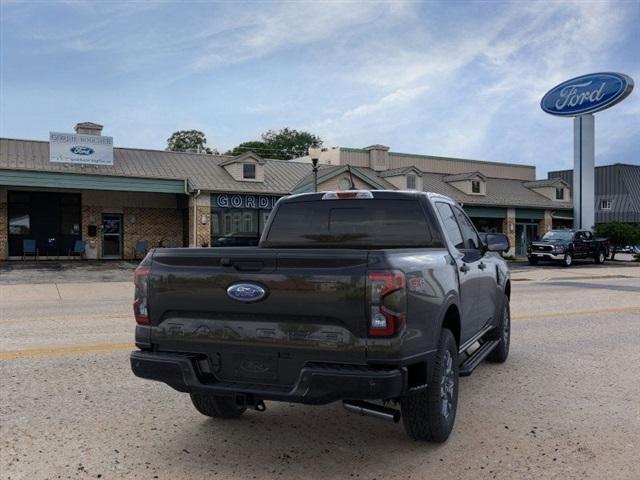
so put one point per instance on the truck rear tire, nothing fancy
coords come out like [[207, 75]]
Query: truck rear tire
[[503, 331], [217, 406], [429, 414]]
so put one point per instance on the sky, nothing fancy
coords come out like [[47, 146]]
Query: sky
[[451, 78]]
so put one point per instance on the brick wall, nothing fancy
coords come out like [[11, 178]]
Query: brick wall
[[545, 224], [91, 215], [203, 231], [509, 229], [151, 224]]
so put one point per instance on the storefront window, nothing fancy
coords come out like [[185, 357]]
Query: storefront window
[[19, 217], [52, 219], [488, 225], [19, 220], [238, 220]]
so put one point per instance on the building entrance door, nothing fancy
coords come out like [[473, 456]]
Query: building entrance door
[[525, 233], [111, 235]]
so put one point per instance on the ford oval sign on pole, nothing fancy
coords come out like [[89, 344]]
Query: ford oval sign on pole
[[580, 97]]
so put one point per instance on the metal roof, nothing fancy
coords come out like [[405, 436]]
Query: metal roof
[[201, 170], [206, 172], [547, 182], [499, 191], [327, 172], [399, 171], [464, 176]]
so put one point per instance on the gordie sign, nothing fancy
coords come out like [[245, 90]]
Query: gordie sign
[[244, 201], [587, 94]]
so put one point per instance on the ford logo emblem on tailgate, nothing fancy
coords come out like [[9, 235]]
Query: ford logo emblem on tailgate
[[246, 292]]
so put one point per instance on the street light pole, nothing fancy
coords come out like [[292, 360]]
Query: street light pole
[[314, 153], [314, 161]]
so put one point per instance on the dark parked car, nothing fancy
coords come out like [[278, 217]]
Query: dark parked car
[[350, 296], [565, 246]]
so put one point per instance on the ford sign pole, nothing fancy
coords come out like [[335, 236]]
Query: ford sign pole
[[580, 97], [584, 171]]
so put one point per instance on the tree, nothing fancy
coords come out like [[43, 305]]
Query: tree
[[619, 234], [257, 147], [188, 141], [284, 144]]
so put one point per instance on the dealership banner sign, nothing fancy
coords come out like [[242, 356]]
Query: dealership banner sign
[[80, 149], [244, 201]]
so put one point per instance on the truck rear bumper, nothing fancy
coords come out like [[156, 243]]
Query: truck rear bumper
[[318, 383]]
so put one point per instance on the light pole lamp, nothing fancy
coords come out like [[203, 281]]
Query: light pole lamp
[[314, 153]]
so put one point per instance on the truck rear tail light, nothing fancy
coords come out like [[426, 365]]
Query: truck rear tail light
[[140, 302], [351, 194], [387, 302]]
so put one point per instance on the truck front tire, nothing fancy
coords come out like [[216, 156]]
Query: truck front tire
[[217, 406], [567, 261], [429, 414]]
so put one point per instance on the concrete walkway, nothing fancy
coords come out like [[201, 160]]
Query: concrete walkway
[[78, 271]]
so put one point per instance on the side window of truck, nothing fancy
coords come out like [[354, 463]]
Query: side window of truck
[[450, 224], [471, 239]]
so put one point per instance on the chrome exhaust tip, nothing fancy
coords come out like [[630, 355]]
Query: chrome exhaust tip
[[363, 408]]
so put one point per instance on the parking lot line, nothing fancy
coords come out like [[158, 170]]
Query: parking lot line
[[48, 352], [573, 313]]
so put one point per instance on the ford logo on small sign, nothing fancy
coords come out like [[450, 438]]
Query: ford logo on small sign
[[587, 94], [246, 292], [79, 150]]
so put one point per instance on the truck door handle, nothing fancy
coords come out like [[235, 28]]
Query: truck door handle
[[482, 266], [464, 268]]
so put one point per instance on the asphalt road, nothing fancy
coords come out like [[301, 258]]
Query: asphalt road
[[565, 405]]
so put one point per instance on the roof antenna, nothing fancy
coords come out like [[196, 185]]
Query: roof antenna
[[353, 185]]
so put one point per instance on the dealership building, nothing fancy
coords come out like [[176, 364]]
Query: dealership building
[[117, 202]]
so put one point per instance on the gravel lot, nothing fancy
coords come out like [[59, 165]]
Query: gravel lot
[[565, 405]]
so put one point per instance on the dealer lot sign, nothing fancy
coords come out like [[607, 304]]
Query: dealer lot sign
[[580, 98], [587, 94], [80, 149]]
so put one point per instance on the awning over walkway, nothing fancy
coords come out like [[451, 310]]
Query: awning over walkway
[[29, 178]]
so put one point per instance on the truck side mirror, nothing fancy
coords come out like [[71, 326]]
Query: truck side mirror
[[497, 242]]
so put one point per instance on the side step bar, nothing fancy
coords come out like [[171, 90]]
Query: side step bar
[[469, 365]]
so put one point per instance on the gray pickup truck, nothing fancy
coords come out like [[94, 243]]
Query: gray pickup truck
[[378, 299]]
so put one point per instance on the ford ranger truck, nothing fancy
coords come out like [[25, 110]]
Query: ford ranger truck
[[378, 299]]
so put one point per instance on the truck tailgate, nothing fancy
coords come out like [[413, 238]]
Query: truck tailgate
[[314, 309]]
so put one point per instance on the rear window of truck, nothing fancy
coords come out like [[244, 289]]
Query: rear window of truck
[[361, 223]]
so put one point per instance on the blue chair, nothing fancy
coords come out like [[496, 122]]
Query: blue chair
[[79, 248], [141, 248], [29, 248]]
